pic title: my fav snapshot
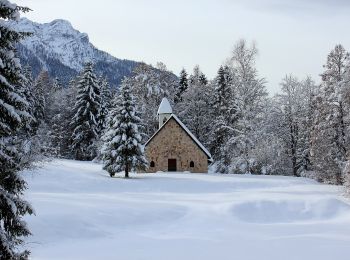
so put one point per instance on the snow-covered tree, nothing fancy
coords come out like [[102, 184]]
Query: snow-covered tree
[[149, 86], [63, 130], [42, 89], [309, 91], [28, 85], [122, 149], [13, 116], [224, 115], [182, 86], [106, 98], [86, 118], [194, 109], [292, 123], [329, 136], [347, 178], [250, 96]]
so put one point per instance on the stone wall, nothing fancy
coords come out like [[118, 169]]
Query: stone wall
[[172, 142]]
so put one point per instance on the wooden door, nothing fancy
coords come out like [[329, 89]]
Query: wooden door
[[172, 165]]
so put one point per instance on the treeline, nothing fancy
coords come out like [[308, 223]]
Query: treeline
[[302, 131]]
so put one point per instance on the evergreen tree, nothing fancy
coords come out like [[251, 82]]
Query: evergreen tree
[[67, 98], [40, 90], [194, 109], [13, 116], [44, 112], [222, 91], [224, 114], [122, 149], [106, 98], [86, 118], [28, 83], [182, 87]]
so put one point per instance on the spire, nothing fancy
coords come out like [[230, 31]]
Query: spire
[[164, 111], [165, 107]]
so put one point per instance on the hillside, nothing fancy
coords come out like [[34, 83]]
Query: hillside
[[62, 50], [82, 213]]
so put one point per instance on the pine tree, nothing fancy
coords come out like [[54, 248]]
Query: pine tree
[[64, 128], [42, 89], [13, 116], [182, 87], [224, 113], [222, 91], [28, 86], [122, 149], [106, 98], [86, 118]]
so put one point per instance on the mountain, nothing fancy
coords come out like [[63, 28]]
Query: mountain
[[62, 50]]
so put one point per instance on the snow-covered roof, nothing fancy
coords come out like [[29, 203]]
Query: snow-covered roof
[[186, 130], [165, 107]]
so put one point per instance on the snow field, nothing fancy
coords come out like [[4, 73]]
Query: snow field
[[82, 213]]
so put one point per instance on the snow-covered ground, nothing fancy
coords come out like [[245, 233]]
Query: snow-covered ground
[[82, 213]]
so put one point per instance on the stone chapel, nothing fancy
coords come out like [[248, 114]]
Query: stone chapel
[[173, 147]]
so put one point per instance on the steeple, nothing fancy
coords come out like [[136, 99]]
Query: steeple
[[164, 111]]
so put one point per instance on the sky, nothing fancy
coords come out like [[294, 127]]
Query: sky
[[293, 36]]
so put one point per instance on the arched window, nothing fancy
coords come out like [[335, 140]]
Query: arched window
[[152, 164], [191, 164]]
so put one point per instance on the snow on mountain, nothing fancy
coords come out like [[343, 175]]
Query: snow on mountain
[[62, 50]]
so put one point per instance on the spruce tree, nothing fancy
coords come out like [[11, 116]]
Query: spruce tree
[[182, 87], [41, 91], [105, 104], [65, 128], [122, 149], [86, 117], [13, 115], [27, 93], [193, 108], [224, 111]]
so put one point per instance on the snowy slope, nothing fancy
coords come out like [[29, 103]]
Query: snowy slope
[[61, 49], [82, 213]]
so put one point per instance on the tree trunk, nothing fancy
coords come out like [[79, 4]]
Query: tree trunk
[[127, 171], [293, 147]]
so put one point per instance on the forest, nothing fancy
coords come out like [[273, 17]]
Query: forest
[[302, 131]]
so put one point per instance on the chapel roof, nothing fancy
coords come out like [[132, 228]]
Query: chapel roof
[[198, 143]]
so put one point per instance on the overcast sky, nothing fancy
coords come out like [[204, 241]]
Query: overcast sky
[[293, 36]]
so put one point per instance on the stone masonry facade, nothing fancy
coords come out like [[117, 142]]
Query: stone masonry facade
[[172, 142]]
